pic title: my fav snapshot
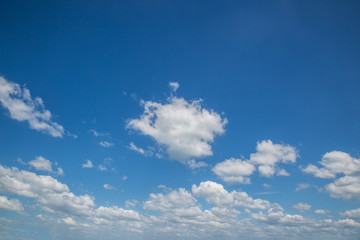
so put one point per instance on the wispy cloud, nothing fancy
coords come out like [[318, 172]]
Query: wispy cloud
[[23, 107], [106, 144]]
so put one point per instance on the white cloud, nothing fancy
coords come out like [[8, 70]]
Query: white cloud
[[115, 213], [355, 214], [174, 86], [335, 163], [345, 187], [102, 168], [109, 187], [22, 107], [11, 204], [41, 164], [60, 171], [185, 129], [321, 212], [194, 164], [302, 207], [267, 185], [88, 164], [69, 221], [267, 157], [302, 186], [178, 202], [55, 197], [234, 170], [106, 144], [98, 134], [136, 149], [214, 193]]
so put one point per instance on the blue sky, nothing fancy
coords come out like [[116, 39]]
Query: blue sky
[[179, 120]]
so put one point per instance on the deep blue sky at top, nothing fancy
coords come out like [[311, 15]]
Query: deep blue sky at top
[[281, 70]]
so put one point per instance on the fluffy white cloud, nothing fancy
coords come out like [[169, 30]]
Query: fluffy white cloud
[[88, 164], [234, 170], [185, 129], [52, 195], [335, 163], [41, 164], [22, 107], [55, 197], [178, 202], [268, 155], [345, 187], [302, 207], [115, 213], [355, 214], [267, 158], [11, 204], [106, 144], [276, 216], [214, 193]]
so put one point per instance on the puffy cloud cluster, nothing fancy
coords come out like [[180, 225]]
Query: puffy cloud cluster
[[215, 194], [266, 159], [54, 197], [23, 107], [181, 214], [178, 202], [338, 163], [355, 214], [184, 128]]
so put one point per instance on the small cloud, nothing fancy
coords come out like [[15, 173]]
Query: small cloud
[[137, 149], [71, 135], [282, 172], [88, 164], [102, 168], [267, 185], [41, 164], [321, 212], [106, 144], [302, 207], [124, 178], [109, 187], [98, 134], [131, 203], [60, 171], [174, 86], [302, 186], [193, 164], [69, 221]]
